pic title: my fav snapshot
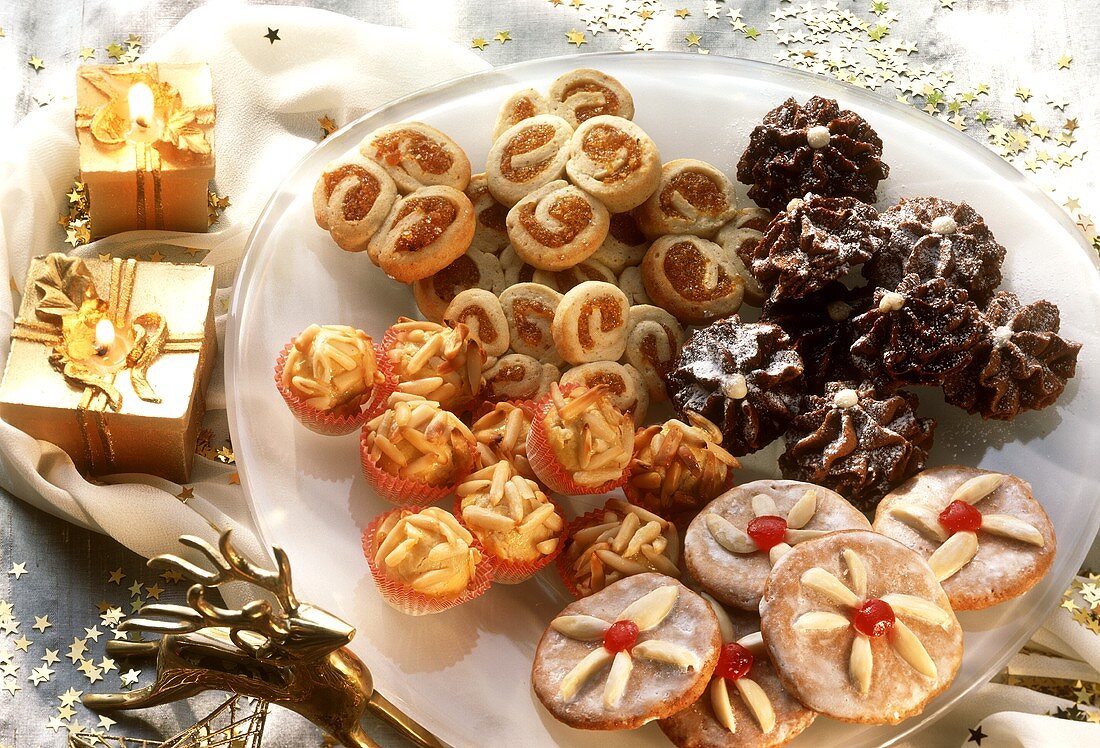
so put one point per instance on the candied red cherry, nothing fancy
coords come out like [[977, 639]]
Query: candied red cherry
[[958, 516], [734, 661], [874, 618], [767, 531], [621, 636]]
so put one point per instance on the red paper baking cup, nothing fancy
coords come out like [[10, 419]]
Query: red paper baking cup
[[546, 464], [400, 491], [563, 564], [404, 598], [514, 572], [326, 422]]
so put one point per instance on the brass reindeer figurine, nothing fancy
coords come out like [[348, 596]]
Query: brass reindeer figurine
[[293, 654]]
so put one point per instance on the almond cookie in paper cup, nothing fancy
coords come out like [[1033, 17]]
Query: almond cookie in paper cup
[[579, 442], [425, 562], [437, 362], [500, 431], [414, 452], [520, 529], [614, 542], [332, 378]]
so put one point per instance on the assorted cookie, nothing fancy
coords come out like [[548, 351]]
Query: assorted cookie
[[352, 198]]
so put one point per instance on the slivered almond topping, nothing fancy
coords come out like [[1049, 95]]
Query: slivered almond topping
[[582, 671], [581, 627], [977, 488], [923, 610], [651, 608], [857, 571], [827, 584], [820, 620], [613, 689], [763, 505], [1011, 527], [860, 664], [728, 536], [720, 702], [758, 703], [803, 510], [777, 552], [725, 625], [794, 537], [673, 654], [921, 519], [909, 648], [954, 554]]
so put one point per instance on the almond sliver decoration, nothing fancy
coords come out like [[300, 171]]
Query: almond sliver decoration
[[736, 540]]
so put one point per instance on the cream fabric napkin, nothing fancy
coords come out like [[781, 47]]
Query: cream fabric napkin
[[269, 97]]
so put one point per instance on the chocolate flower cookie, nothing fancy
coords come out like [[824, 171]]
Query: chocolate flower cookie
[[744, 377], [920, 334], [815, 241], [815, 147], [857, 443], [820, 327], [1020, 364], [936, 238]]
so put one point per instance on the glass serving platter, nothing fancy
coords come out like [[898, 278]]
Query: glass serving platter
[[465, 673]]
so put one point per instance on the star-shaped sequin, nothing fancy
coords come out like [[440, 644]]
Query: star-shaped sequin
[[272, 35]]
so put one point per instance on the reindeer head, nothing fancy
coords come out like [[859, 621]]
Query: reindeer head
[[289, 631]]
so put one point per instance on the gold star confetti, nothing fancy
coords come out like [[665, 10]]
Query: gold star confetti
[[106, 723], [77, 649], [272, 35], [50, 657], [186, 493], [156, 256], [18, 570], [1064, 61], [503, 36], [36, 63], [70, 697], [116, 576], [948, 4], [130, 677], [751, 33], [11, 686], [66, 712], [111, 616], [93, 634], [693, 39], [55, 724], [114, 51], [135, 589], [681, 12], [133, 41], [479, 43], [154, 591], [40, 675], [41, 623], [87, 53], [1070, 125], [106, 664], [576, 37], [23, 643], [172, 576], [328, 126], [1023, 94]]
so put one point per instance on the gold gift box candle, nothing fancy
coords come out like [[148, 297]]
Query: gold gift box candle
[[109, 361], [146, 151]]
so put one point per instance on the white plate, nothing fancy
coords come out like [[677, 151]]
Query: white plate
[[465, 673]]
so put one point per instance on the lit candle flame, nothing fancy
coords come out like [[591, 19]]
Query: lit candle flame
[[141, 105], [104, 336]]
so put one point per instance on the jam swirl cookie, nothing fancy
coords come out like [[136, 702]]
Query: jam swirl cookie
[[425, 232], [563, 281], [984, 535], [590, 323], [352, 198], [557, 226], [518, 107], [624, 246], [527, 156], [692, 278], [742, 234], [745, 703], [418, 155], [692, 197], [630, 283], [640, 650], [530, 309], [653, 341], [582, 94], [732, 545], [859, 629], [434, 361], [481, 312], [490, 233], [517, 376], [614, 160], [470, 270], [617, 541]]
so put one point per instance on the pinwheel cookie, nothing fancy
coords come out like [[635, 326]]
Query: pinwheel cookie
[[352, 198], [614, 160], [640, 650], [745, 703], [425, 232], [859, 629], [566, 280], [653, 341], [732, 545], [692, 278], [470, 270], [625, 245], [557, 226], [742, 234], [582, 94], [481, 312], [590, 323], [984, 535], [517, 376], [418, 155], [490, 233], [527, 156], [692, 197], [519, 106], [530, 309]]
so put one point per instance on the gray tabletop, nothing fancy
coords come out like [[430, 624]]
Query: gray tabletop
[[1017, 76]]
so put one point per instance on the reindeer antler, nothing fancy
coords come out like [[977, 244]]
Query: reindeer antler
[[256, 616]]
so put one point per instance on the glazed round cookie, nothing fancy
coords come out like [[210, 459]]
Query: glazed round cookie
[[470, 270], [625, 245], [692, 197], [590, 323], [691, 278], [516, 376], [352, 198], [984, 535], [490, 233], [418, 155], [582, 94], [614, 160], [557, 226], [859, 629], [653, 341], [529, 309], [733, 543], [745, 703], [526, 156], [639, 650], [425, 232], [519, 106], [624, 384], [480, 311]]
